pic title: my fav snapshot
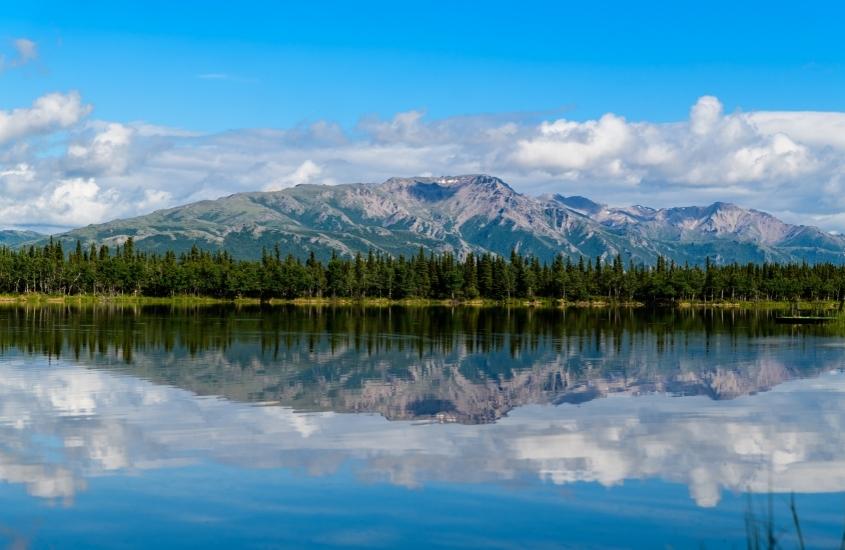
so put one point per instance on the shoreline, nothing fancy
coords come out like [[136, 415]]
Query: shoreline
[[541, 303]]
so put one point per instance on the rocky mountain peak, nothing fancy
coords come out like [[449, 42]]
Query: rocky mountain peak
[[445, 185], [466, 213]]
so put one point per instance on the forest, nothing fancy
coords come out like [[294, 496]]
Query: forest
[[124, 270]]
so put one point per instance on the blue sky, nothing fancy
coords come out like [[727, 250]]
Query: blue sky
[[111, 109], [280, 64]]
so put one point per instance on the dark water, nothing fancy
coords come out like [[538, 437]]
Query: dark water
[[300, 427]]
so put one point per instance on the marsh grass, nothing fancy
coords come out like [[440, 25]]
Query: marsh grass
[[763, 534]]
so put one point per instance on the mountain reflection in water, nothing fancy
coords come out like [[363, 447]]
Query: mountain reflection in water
[[89, 392], [465, 365]]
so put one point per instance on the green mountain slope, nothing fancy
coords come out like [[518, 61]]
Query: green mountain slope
[[14, 238]]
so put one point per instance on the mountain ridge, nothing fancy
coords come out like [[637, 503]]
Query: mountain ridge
[[464, 214], [14, 237]]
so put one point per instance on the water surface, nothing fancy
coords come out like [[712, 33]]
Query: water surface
[[347, 427]]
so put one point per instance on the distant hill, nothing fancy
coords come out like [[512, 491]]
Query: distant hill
[[474, 213], [13, 238]]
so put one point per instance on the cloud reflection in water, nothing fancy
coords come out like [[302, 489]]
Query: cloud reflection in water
[[61, 424]]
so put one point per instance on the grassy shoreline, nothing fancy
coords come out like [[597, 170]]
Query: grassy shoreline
[[129, 300]]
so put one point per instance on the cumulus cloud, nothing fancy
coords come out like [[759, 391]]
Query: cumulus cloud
[[304, 173], [47, 114], [572, 149], [16, 180], [107, 152], [66, 202], [710, 149], [781, 162]]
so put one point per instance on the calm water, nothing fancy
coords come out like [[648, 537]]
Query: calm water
[[431, 427]]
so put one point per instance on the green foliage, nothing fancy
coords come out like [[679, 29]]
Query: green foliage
[[128, 271]]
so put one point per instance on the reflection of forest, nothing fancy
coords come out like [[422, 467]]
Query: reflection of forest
[[470, 365]]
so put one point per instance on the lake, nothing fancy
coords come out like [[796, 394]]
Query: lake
[[417, 427]]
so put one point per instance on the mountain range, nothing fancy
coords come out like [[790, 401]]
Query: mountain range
[[460, 214]]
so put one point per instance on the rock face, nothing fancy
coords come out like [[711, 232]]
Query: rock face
[[461, 214]]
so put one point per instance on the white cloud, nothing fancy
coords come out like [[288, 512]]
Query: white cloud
[[785, 440], [65, 203], [782, 162], [25, 50], [711, 149], [48, 113], [570, 148], [705, 115], [107, 151], [78, 201], [17, 179], [407, 127], [304, 173], [154, 199]]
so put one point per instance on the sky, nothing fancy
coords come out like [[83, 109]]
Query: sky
[[114, 109]]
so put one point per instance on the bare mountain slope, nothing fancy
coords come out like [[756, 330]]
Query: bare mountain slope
[[474, 213]]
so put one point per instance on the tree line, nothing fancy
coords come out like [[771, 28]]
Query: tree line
[[124, 270]]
